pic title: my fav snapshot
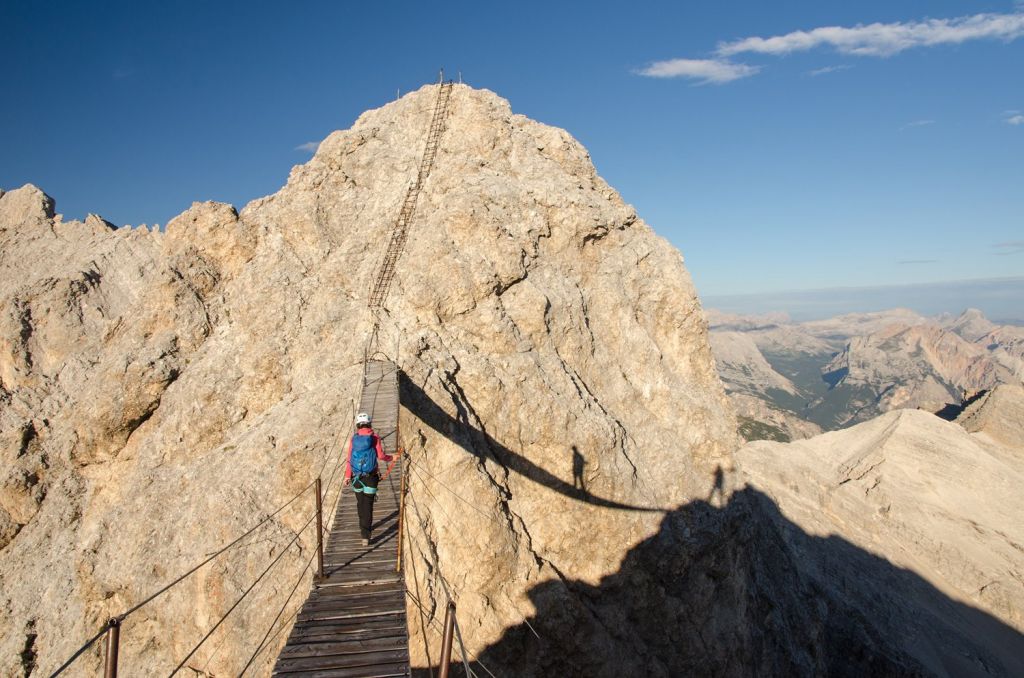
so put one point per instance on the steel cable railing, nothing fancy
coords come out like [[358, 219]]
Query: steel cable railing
[[265, 643], [231, 609], [115, 622], [447, 591], [325, 529], [427, 616]]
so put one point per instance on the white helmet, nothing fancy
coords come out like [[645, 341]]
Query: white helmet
[[362, 419]]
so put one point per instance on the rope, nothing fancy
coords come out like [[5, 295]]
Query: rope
[[124, 615], [148, 600], [444, 585], [265, 643], [246, 593], [326, 490], [457, 495], [82, 649], [260, 646], [462, 648], [432, 621], [235, 542], [433, 556]]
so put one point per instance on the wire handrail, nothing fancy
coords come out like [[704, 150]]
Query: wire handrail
[[231, 609], [153, 596], [120, 618]]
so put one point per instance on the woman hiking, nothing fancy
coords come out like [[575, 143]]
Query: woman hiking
[[361, 455]]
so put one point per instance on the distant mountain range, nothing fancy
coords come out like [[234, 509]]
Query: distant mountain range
[[790, 380]]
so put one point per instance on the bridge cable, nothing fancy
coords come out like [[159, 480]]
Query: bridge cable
[[298, 533], [82, 649], [400, 232], [444, 585], [264, 644], [326, 489], [420, 468], [124, 615]]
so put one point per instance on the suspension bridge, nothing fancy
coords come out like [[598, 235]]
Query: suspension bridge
[[353, 621]]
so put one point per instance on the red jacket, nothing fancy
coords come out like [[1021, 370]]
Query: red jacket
[[363, 431]]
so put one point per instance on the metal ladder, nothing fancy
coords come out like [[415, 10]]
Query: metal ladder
[[400, 233]]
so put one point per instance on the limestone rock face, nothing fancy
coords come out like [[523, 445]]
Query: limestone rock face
[[848, 369], [933, 500], [743, 367], [161, 392], [916, 366], [998, 415]]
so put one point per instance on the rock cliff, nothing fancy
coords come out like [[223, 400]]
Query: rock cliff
[[163, 391]]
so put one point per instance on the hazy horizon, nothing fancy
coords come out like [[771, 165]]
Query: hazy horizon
[[1000, 299]]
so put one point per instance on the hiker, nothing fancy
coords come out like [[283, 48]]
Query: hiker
[[361, 455]]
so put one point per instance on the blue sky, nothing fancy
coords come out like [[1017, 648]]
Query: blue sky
[[781, 155]]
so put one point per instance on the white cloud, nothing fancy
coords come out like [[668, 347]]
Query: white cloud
[[829, 69], [1009, 247], [715, 71], [918, 123], [884, 39], [1015, 119], [308, 147]]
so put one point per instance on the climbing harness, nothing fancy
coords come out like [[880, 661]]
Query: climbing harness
[[359, 486]]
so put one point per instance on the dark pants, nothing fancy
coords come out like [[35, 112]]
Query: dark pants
[[364, 503]]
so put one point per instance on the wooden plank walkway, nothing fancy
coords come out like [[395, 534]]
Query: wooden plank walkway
[[380, 400], [354, 623]]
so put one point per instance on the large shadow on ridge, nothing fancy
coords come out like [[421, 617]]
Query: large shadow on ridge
[[479, 444], [742, 591]]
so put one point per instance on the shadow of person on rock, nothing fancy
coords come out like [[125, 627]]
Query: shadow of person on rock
[[579, 464], [481, 445], [742, 591], [717, 486]]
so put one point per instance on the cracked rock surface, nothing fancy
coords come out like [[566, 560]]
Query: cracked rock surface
[[162, 391]]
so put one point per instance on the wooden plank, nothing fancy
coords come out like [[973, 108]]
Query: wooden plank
[[357, 595], [349, 626], [351, 646], [335, 630], [343, 660], [347, 608], [318, 633], [385, 671]]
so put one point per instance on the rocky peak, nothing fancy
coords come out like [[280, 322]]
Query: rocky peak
[[557, 378], [972, 325]]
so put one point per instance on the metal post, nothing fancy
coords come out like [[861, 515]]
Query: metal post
[[319, 532], [440, 77], [113, 641], [401, 510], [446, 642]]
